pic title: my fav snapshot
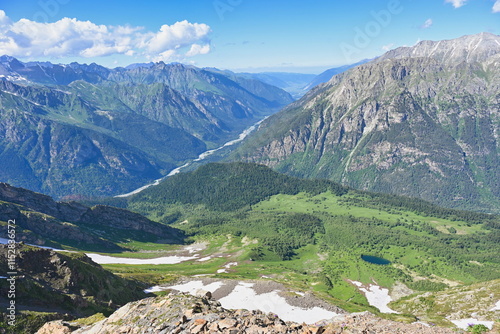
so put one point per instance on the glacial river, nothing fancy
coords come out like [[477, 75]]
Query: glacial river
[[201, 157]]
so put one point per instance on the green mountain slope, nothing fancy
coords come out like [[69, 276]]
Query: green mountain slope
[[285, 213], [42, 221], [421, 122], [86, 130], [315, 235]]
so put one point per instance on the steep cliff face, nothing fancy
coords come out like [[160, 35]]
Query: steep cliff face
[[408, 123]]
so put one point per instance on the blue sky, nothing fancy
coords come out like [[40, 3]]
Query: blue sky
[[242, 35]]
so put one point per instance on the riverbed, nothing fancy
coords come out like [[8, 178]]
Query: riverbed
[[200, 157]]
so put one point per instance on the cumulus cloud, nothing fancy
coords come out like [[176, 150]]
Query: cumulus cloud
[[456, 3], [197, 49], [387, 47], [496, 7], [177, 35], [71, 37], [427, 24]]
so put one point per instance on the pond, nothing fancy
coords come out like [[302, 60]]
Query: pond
[[375, 260]]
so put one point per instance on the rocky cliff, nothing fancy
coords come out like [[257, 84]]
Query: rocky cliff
[[180, 313], [420, 121], [65, 280]]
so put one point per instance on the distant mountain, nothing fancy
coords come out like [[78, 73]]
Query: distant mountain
[[293, 83], [298, 84], [89, 130], [477, 48], [328, 74], [420, 121]]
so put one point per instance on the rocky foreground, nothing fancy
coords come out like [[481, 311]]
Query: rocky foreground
[[182, 313]]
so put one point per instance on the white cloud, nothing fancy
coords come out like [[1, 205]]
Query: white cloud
[[71, 37], [177, 35], [427, 24], [456, 3], [166, 56], [387, 47], [197, 49], [496, 7]]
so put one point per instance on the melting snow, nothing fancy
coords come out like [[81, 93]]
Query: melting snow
[[104, 259], [376, 296], [464, 323], [244, 296]]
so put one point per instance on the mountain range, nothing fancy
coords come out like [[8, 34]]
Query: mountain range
[[419, 121], [298, 84], [88, 130]]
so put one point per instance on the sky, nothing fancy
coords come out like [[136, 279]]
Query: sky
[[239, 35]]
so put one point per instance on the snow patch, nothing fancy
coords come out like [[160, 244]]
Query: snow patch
[[244, 297], [496, 307], [464, 323], [193, 286], [104, 259], [376, 296], [226, 267]]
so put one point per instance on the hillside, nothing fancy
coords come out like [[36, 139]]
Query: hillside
[[69, 130], [42, 221], [49, 284], [312, 239], [406, 123], [315, 235]]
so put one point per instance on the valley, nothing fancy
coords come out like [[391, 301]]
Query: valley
[[312, 240], [163, 197], [303, 241]]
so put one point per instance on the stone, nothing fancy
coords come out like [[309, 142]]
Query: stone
[[227, 323], [54, 327]]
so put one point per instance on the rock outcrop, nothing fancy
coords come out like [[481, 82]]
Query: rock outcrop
[[72, 283], [181, 313]]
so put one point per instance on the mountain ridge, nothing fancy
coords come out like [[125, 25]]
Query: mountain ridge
[[117, 129], [391, 123]]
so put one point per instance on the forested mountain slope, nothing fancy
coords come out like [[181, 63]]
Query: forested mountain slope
[[88, 130]]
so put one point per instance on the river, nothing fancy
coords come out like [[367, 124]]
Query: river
[[201, 157]]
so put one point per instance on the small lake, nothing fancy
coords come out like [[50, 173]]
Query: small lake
[[375, 260]]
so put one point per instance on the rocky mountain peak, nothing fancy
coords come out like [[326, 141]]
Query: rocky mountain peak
[[419, 121], [468, 48]]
